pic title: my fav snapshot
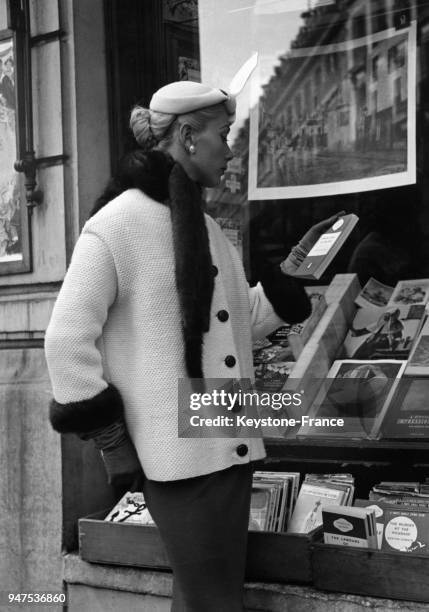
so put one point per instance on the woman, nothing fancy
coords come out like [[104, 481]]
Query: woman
[[155, 293]]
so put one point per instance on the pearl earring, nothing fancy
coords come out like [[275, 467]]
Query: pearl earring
[[192, 149]]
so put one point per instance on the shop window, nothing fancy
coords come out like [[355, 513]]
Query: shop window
[[17, 191], [356, 151]]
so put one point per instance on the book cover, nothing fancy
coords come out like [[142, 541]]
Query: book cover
[[325, 249], [410, 293], [307, 514], [374, 294], [259, 507], [358, 392], [349, 526], [131, 508], [406, 531], [383, 333], [408, 413], [378, 513]]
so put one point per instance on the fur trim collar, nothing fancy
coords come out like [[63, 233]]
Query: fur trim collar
[[164, 180]]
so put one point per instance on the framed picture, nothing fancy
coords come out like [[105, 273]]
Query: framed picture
[[335, 118], [17, 163]]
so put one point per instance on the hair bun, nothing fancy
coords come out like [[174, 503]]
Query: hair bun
[[140, 125]]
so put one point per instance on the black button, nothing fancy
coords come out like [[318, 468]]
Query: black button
[[230, 361], [242, 450], [215, 270], [223, 316]]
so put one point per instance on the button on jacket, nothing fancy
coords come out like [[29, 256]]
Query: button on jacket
[[117, 320]]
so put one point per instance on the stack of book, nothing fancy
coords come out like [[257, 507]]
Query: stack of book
[[379, 389], [402, 516], [318, 491], [273, 497], [349, 526]]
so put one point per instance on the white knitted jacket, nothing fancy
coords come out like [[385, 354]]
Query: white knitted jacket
[[117, 319]]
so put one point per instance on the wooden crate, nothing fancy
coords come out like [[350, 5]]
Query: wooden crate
[[275, 557], [392, 575]]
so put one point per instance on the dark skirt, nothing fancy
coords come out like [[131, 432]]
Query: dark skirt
[[203, 523]]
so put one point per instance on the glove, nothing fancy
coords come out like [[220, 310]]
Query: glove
[[301, 250], [312, 236], [118, 453]]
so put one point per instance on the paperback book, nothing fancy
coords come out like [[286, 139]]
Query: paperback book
[[349, 526], [273, 497], [409, 293], [374, 294], [312, 497], [357, 395], [326, 248], [386, 333], [408, 414], [406, 530]]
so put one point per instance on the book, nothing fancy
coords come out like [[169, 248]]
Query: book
[[408, 413], [272, 513], [374, 294], [378, 510], [353, 400], [131, 508], [346, 480], [406, 530], [325, 249], [307, 514], [349, 526], [271, 377], [383, 333], [409, 293], [259, 508]]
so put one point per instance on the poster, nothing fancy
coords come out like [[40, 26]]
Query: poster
[[335, 118], [10, 218]]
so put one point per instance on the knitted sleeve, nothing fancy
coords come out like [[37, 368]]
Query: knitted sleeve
[[83, 400]]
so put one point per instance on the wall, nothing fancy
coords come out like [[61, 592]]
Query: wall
[[70, 109]]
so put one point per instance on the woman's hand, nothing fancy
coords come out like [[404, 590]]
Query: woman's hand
[[312, 236]]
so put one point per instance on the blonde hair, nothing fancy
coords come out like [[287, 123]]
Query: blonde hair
[[154, 129]]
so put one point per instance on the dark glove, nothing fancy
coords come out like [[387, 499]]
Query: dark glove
[[300, 251], [118, 453], [312, 236]]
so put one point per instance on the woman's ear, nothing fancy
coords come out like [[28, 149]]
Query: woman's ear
[[186, 136]]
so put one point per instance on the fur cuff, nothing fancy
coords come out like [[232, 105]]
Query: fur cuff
[[87, 415]]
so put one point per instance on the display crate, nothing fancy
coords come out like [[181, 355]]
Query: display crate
[[374, 573], [273, 557]]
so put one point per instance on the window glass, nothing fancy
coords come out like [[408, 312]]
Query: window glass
[[332, 119]]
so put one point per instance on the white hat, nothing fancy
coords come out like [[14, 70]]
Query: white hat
[[186, 96]]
